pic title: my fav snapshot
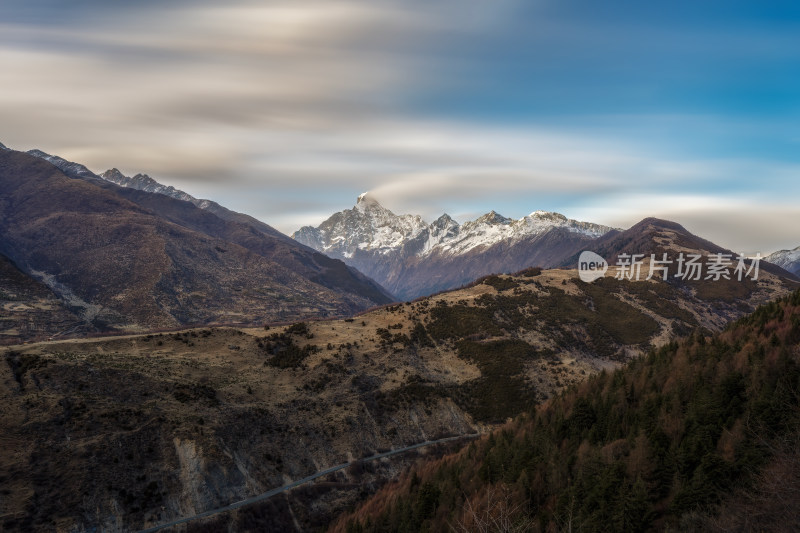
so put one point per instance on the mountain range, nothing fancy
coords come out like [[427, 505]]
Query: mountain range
[[120, 252], [412, 258]]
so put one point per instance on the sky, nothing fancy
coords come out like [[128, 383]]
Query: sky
[[287, 110]]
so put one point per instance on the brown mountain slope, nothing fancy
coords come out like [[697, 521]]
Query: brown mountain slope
[[120, 265], [650, 235], [300, 259], [212, 219]]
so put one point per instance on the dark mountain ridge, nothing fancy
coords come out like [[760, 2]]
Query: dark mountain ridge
[[143, 182]]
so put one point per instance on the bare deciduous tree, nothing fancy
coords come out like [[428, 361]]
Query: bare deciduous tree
[[497, 515]]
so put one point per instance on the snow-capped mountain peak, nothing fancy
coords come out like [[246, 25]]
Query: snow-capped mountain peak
[[492, 217], [444, 224], [369, 205], [369, 226], [411, 257], [547, 215]]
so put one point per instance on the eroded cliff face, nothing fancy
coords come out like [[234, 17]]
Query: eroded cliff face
[[127, 433]]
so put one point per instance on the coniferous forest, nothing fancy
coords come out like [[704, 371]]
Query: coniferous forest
[[700, 435]]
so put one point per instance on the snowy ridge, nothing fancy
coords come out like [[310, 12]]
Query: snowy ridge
[[786, 259], [143, 182], [370, 227], [493, 228], [67, 167]]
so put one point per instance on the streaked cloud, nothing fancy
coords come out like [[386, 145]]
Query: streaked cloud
[[288, 109]]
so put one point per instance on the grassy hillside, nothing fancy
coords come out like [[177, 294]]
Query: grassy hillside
[[143, 429], [684, 438]]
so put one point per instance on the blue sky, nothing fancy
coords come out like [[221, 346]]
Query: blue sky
[[287, 110]]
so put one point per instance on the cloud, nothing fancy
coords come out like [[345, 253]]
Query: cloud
[[463, 169], [288, 110], [166, 82], [741, 224]]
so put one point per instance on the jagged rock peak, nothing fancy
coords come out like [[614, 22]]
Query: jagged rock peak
[[145, 177], [115, 176], [493, 217], [112, 174], [444, 221], [143, 182]]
